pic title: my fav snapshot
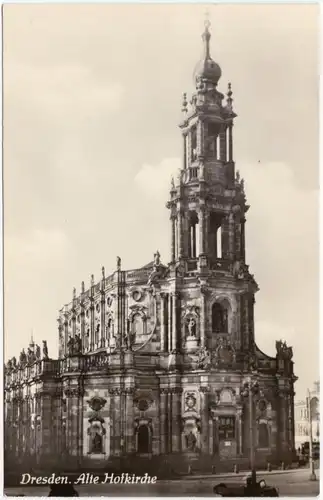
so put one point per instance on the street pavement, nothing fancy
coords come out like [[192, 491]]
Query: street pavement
[[289, 483]]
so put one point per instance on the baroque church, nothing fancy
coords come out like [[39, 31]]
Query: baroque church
[[162, 361]]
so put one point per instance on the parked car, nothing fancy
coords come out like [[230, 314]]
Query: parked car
[[245, 489]]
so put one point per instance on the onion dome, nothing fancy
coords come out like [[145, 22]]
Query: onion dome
[[207, 69]]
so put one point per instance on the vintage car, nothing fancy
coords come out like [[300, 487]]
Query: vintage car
[[245, 489]]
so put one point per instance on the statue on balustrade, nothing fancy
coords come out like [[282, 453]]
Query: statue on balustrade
[[23, 358], [38, 353], [45, 350], [78, 344], [31, 358], [283, 350], [70, 346]]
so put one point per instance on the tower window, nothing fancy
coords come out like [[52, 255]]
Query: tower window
[[219, 318], [193, 143], [193, 235], [212, 133], [219, 242]]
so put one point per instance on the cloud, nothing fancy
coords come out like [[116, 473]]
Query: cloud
[[155, 180], [40, 246], [62, 90]]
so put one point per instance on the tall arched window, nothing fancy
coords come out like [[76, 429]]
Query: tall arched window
[[219, 318], [263, 436]]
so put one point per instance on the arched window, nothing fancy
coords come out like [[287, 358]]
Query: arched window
[[219, 318], [143, 439], [263, 436]]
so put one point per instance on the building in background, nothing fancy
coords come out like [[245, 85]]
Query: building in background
[[162, 361], [302, 417]]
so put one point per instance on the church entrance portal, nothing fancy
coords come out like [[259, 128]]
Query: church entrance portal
[[143, 439]]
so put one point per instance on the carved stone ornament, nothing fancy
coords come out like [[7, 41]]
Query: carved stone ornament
[[224, 353], [96, 403], [137, 295], [190, 399]]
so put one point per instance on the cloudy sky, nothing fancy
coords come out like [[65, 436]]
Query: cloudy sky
[[92, 99]]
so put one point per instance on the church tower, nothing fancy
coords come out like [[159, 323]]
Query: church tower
[[208, 205]]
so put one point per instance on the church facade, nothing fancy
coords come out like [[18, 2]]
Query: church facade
[[162, 360]]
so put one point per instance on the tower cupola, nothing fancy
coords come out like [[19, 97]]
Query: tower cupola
[[207, 69]]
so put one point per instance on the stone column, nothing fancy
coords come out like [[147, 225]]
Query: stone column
[[46, 422], [162, 322], [170, 311], [103, 340], [180, 233], [112, 421], [231, 249], [129, 421], [205, 438], [211, 437], [199, 137], [223, 144], [169, 422], [184, 152], [230, 142], [237, 244], [202, 229], [174, 321], [176, 418], [239, 431], [203, 317], [173, 239], [242, 244], [163, 420], [117, 417], [92, 327]]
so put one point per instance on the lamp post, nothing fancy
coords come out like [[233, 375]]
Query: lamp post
[[309, 410], [249, 390]]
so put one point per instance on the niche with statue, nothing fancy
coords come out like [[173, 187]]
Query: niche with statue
[[191, 327]]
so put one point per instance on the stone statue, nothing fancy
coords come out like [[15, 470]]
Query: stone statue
[[283, 351], [9, 365], [191, 441], [118, 264], [97, 443], [30, 356], [23, 358], [70, 346], [157, 258], [78, 344], [45, 350], [204, 359], [192, 327], [38, 354], [14, 362]]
